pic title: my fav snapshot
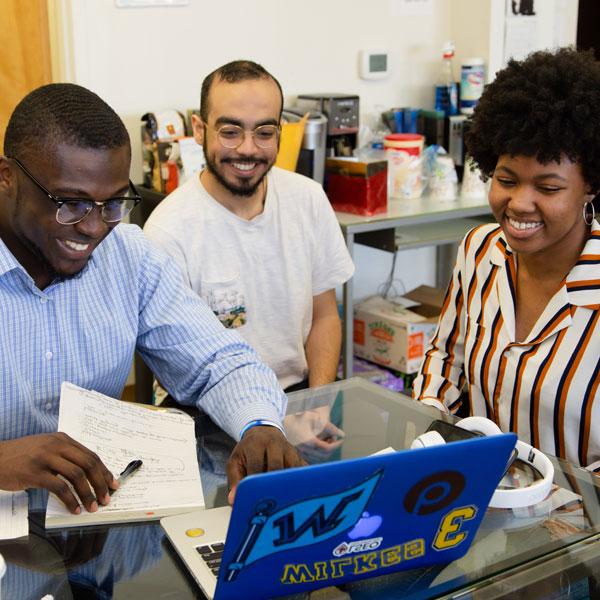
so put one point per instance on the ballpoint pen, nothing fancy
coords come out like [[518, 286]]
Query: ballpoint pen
[[127, 472]]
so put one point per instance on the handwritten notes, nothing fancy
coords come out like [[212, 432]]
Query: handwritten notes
[[168, 481]]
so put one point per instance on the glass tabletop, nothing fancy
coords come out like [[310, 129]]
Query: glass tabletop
[[552, 548], [561, 532]]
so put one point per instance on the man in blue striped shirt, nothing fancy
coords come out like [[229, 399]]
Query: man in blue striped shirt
[[80, 293]]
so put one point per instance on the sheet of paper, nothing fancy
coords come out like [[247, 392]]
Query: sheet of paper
[[13, 515], [120, 432], [521, 37]]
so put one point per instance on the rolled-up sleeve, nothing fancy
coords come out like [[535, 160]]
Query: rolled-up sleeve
[[197, 359]]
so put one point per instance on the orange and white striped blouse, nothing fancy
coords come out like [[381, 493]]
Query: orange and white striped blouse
[[545, 388]]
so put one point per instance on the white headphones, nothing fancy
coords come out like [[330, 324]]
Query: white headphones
[[504, 498]]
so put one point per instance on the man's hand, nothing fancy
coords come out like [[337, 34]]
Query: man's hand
[[263, 448], [51, 460], [313, 434]]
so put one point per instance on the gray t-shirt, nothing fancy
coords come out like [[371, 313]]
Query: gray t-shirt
[[258, 276]]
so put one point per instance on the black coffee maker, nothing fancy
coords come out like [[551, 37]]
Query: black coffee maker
[[341, 111]]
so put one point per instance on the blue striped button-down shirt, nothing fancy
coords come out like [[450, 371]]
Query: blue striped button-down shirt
[[85, 330]]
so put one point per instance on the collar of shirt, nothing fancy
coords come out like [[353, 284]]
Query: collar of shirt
[[7, 261], [583, 281], [260, 221]]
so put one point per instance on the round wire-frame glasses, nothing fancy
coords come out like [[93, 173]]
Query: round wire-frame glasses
[[232, 136]]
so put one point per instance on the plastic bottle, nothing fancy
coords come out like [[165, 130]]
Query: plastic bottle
[[471, 84], [446, 90]]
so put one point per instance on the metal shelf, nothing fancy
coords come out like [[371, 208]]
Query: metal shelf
[[405, 225], [435, 234], [419, 236]]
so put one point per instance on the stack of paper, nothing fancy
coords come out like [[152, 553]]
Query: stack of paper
[[168, 481]]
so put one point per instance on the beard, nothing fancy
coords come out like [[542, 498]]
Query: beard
[[245, 188]]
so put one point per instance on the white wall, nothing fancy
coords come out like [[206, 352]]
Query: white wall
[[152, 58], [143, 59]]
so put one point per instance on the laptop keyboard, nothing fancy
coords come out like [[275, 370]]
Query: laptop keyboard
[[211, 554]]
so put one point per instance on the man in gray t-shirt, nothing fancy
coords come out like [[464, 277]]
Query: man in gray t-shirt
[[261, 245]]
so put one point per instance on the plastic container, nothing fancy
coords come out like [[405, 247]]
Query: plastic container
[[410, 117], [290, 143], [471, 84], [403, 152], [443, 180], [446, 89], [472, 184], [405, 120]]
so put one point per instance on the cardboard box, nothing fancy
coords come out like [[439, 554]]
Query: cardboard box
[[396, 334], [355, 186]]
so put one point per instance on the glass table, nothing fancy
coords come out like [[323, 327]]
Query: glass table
[[549, 551]]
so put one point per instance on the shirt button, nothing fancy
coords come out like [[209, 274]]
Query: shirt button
[[48, 405], [43, 300], [49, 355]]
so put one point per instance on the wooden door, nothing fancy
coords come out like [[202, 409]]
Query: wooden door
[[25, 56]]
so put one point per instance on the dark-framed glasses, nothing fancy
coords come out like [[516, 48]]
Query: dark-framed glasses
[[72, 210], [233, 136]]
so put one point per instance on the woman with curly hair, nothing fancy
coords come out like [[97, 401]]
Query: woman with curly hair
[[519, 335]]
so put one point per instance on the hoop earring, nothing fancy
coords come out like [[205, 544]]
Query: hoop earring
[[586, 213]]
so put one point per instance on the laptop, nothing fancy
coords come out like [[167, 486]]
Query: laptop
[[304, 528]]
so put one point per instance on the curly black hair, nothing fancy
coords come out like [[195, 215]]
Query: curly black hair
[[62, 112], [547, 106]]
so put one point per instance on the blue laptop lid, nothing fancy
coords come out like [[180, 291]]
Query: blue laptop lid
[[322, 525]]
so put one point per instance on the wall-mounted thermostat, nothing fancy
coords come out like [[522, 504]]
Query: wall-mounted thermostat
[[373, 64]]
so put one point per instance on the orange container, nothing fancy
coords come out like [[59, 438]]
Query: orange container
[[290, 144]]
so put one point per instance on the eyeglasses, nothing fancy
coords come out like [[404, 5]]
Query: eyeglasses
[[233, 136], [73, 210]]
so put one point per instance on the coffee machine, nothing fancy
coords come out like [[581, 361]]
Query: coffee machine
[[341, 111], [311, 160]]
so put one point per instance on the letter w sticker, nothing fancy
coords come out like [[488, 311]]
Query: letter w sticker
[[307, 522]]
